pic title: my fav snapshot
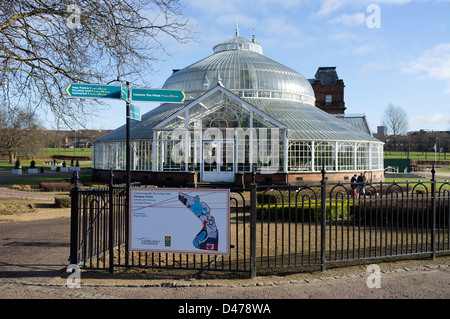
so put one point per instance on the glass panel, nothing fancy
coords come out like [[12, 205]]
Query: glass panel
[[299, 156], [346, 157], [362, 156], [227, 157], [220, 111], [324, 154], [210, 155], [260, 121]]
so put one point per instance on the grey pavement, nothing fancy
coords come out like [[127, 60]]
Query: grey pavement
[[34, 261]]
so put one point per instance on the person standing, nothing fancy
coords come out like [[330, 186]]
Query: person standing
[[354, 186], [360, 183]]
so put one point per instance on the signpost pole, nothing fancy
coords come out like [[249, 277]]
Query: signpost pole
[[128, 176]]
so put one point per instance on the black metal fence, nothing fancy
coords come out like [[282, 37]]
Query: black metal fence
[[279, 226]]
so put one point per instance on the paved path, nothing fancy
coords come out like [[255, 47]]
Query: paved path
[[34, 258]]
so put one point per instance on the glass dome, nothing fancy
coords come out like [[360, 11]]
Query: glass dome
[[241, 67]]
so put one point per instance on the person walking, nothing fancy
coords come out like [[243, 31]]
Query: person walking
[[360, 183], [354, 186]]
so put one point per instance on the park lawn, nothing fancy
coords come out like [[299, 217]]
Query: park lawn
[[66, 151], [5, 166], [421, 156]]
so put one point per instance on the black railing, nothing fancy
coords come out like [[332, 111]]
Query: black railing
[[279, 226]]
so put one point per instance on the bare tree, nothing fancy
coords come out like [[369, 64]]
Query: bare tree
[[18, 130], [47, 44], [396, 120]]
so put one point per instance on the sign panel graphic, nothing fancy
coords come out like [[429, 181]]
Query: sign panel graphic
[[194, 221], [157, 95], [93, 91]]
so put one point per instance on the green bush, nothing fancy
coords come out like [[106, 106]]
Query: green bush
[[303, 212], [274, 197], [62, 201]]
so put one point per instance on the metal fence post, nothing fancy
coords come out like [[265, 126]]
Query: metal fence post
[[253, 228], [323, 187], [74, 240], [111, 222], [433, 210]]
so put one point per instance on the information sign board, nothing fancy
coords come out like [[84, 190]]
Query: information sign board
[[180, 220]]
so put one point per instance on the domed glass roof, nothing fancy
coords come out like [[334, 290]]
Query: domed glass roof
[[239, 65]]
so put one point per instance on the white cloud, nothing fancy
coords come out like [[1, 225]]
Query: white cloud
[[431, 121], [350, 20], [330, 6], [432, 64], [343, 36]]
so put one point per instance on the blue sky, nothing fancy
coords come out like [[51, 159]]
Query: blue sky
[[406, 61]]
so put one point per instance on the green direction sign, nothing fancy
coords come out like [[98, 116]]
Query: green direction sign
[[157, 95], [135, 113], [124, 92], [94, 91]]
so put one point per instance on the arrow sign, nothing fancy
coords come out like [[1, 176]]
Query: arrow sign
[[93, 91], [121, 92], [135, 112], [124, 92], [157, 95]]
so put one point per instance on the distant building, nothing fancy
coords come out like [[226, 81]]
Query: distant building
[[78, 138], [382, 130]]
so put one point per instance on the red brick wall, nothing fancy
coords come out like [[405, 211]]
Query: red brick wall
[[190, 179], [337, 105]]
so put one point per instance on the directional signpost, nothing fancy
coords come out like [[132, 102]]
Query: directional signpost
[[93, 91], [135, 112], [156, 95], [122, 92]]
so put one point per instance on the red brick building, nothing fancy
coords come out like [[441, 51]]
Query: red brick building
[[329, 90]]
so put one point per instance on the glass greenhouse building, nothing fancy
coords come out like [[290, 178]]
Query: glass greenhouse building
[[243, 112]]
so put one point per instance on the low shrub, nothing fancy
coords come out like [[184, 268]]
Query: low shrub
[[56, 186], [62, 201], [303, 213], [26, 188], [15, 209]]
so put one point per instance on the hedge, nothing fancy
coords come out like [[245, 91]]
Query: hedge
[[62, 201], [305, 212], [56, 186]]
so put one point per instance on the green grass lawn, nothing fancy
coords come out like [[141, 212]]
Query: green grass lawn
[[5, 166], [421, 156], [66, 151], [35, 179]]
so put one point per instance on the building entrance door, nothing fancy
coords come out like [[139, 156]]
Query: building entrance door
[[218, 161]]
